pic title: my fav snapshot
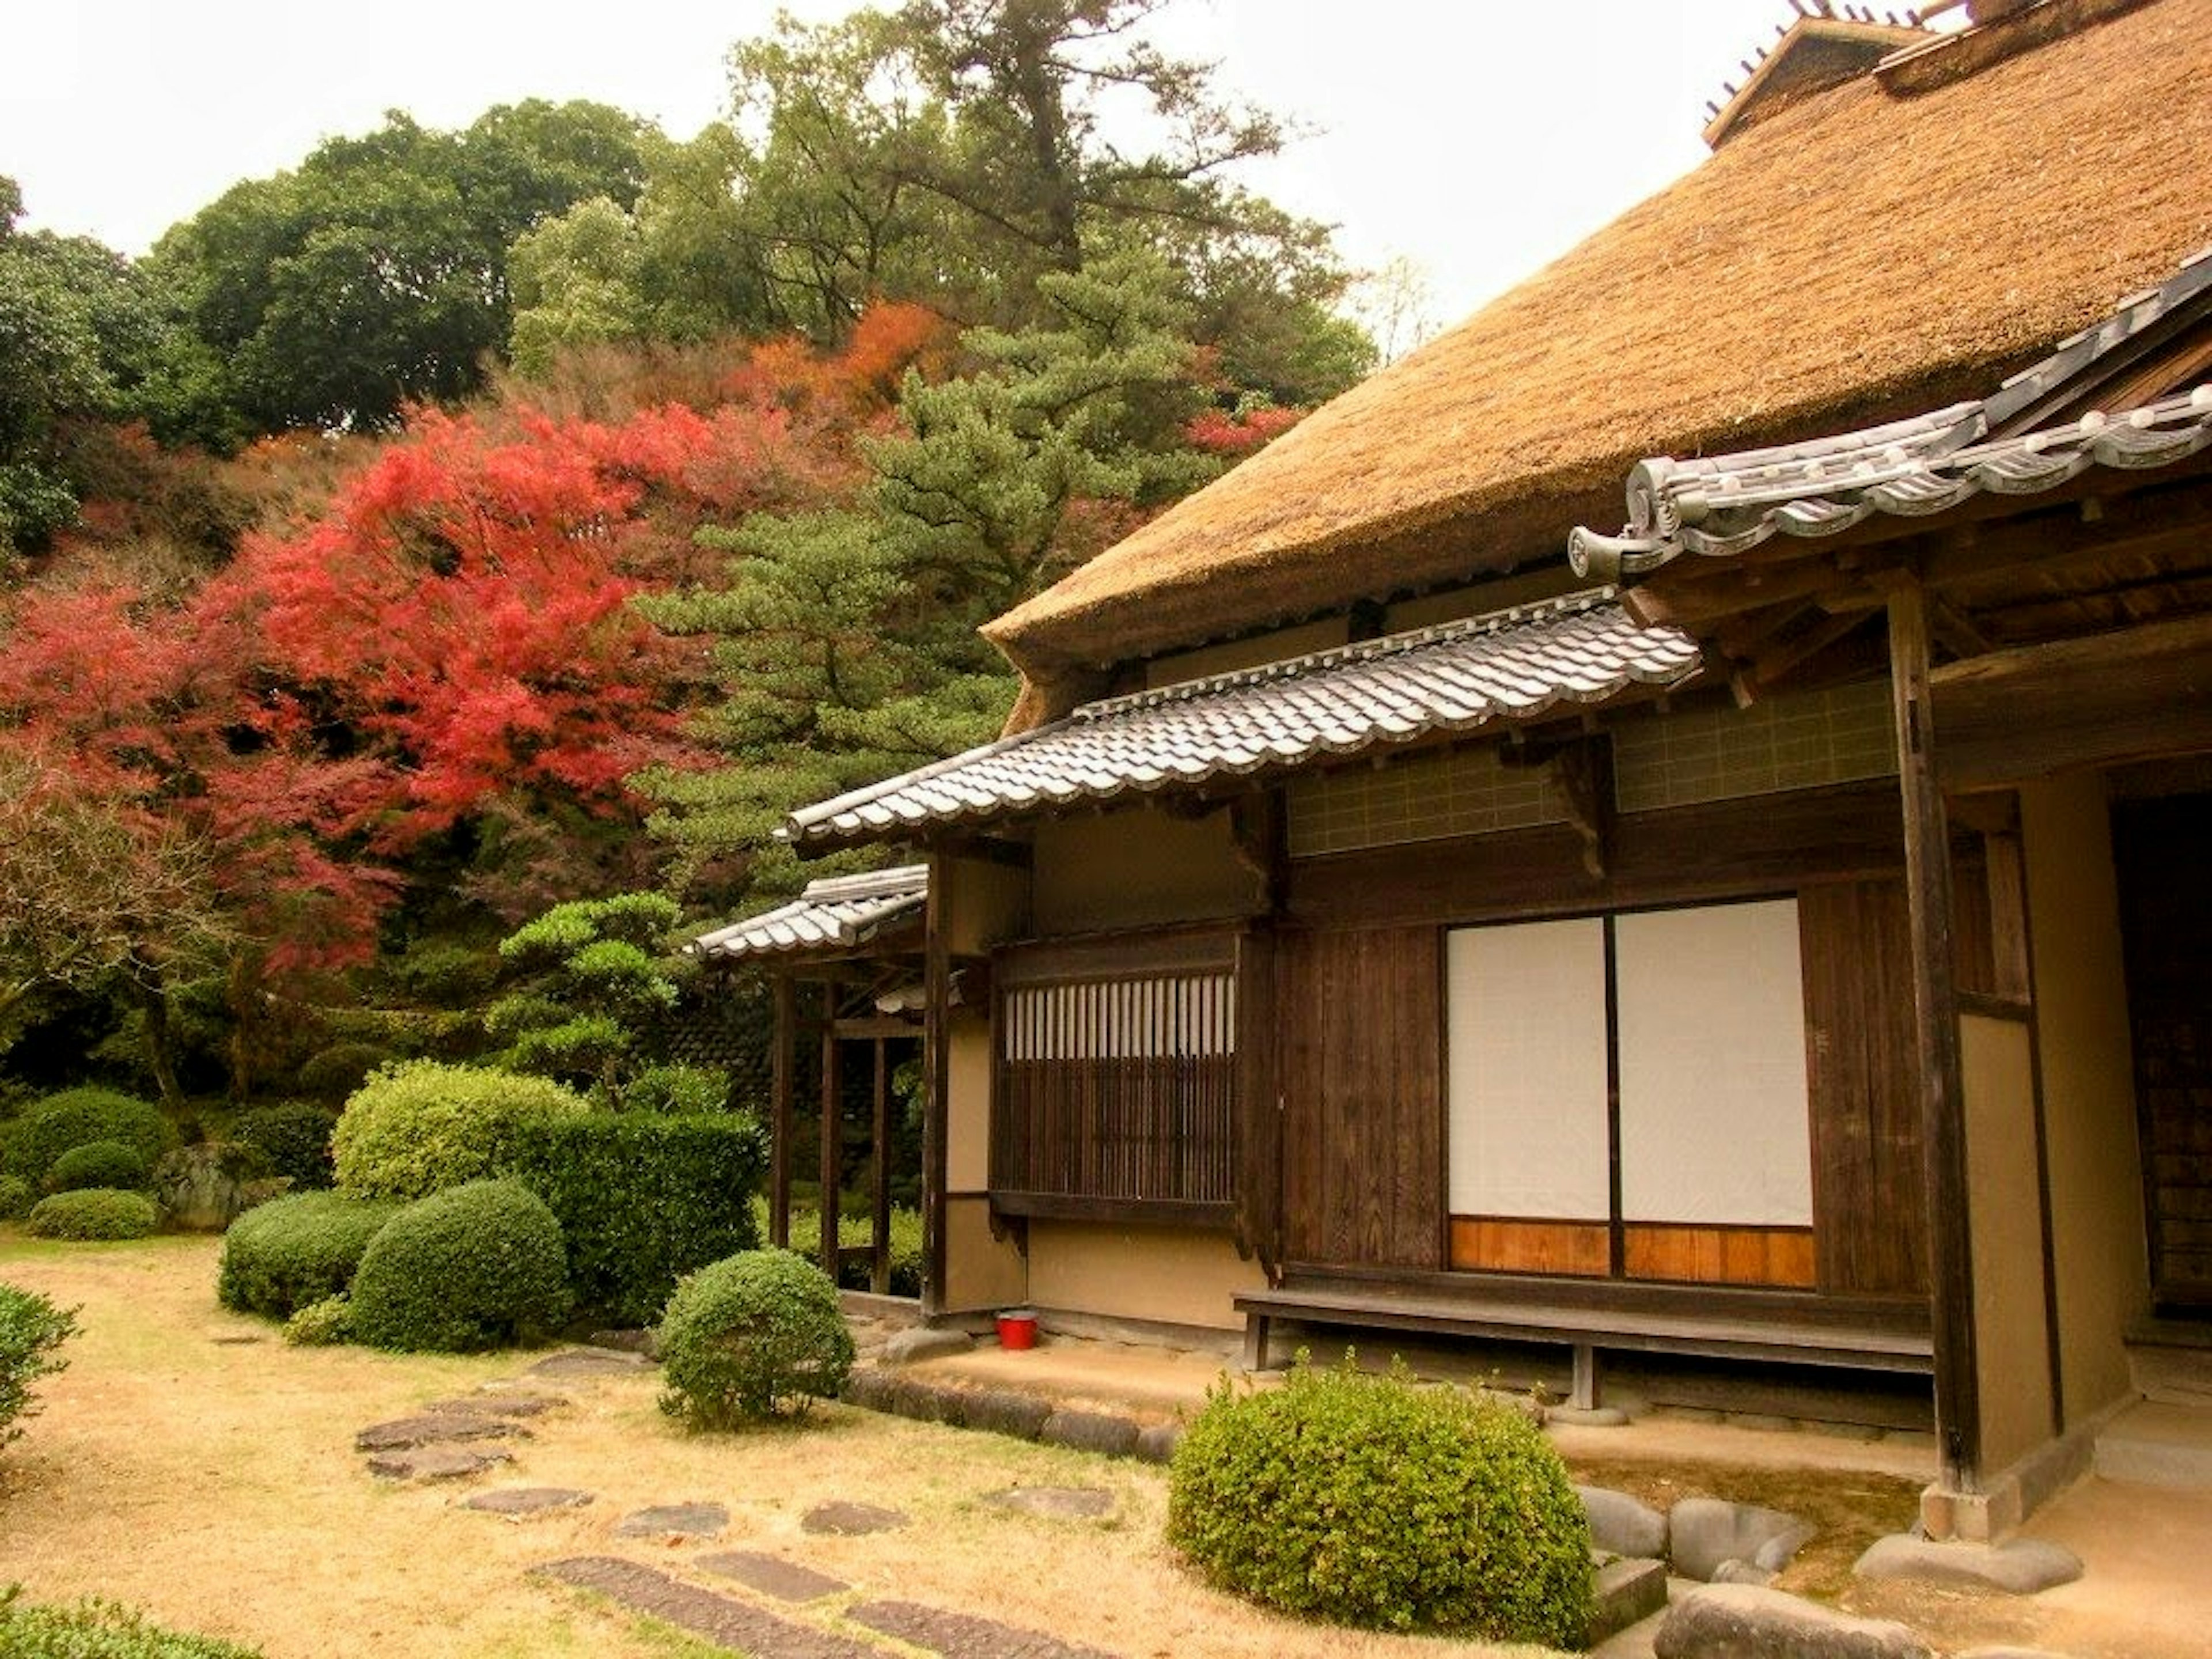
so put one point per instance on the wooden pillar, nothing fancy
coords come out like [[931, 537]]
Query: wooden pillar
[[832, 1172], [781, 1087], [1936, 1011], [936, 1106], [879, 1265]]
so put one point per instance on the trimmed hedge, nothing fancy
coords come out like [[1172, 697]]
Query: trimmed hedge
[[476, 1267], [1367, 1501], [293, 1141], [100, 1630], [751, 1337], [642, 1199], [415, 1129], [283, 1256], [78, 1117], [31, 1329], [98, 1163], [94, 1212]]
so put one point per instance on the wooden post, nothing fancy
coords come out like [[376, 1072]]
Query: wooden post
[[936, 1106], [879, 1265], [833, 1082], [1935, 1009], [779, 1180]]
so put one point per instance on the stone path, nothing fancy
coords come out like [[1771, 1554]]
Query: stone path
[[962, 1634], [850, 1520], [516, 1502], [722, 1619], [670, 1521], [772, 1575]]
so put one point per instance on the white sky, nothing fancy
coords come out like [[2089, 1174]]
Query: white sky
[[1479, 138]]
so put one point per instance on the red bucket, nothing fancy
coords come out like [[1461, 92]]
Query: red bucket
[[1017, 1329]]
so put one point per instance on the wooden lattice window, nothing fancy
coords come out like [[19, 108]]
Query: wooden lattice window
[[1116, 1091]]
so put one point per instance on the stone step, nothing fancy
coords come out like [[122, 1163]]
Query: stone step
[[2158, 1443]]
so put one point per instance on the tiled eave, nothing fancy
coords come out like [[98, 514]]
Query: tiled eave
[[840, 914], [1503, 669]]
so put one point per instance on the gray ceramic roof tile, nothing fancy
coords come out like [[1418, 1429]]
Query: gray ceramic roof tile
[[1457, 676], [837, 914]]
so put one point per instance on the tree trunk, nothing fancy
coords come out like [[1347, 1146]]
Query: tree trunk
[[159, 1035]]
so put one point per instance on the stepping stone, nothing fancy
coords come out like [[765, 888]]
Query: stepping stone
[[515, 1501], [850, 1520], [234, 1339], [437, 1462], [919, 1342], [2022, 1566], [676, 1521], [438, 1429], [1623, 1592], [634, 1340], [1739, 1621], [771, 1575], [1060, 1503], [1620, 1525], [1704, 1532], [962, 1635], [721, 1620], [591, 1362], [497, 1402]]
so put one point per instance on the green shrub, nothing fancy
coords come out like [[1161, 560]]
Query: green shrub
[[16, 1197], [1367, 1501], [908, 1257], [746, 1338], [321, 1324], [292, 1140], [642, 1199], [475, 1266], [94, 1212], [99, 1630], [78, 1117], [31, 1329], [332, 1073], [415, 1128], [280, 1256], [97, 1163], [678, 1091]]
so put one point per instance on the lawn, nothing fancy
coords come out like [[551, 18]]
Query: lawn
[[190, 1463]]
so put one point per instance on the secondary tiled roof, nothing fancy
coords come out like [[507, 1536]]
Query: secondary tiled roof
[[1729, 504], [840, 913], [1512, 666]]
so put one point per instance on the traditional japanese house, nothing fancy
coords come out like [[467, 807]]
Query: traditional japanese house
[[1414, 893]]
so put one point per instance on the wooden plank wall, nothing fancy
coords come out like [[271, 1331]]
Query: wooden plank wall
[[1361, 1076]]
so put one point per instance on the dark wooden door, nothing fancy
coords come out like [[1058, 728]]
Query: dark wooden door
[[1361, 1041], [2160, 848]]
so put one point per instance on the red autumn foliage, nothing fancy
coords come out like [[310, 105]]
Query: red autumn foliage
[[1220, 433]]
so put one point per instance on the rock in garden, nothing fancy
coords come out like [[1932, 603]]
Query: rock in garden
[[870, 1389], [437, 1462], [920, 1342], [1157, 1443], [1093, 1431], [204, 1189], [1740, 1621], [1005, 1411], [441, 1429], [1620, 1525], [1058, 1503], [851, 1520], [771, 1575], [674, 1521], [1623, 1592], [497, 1402], [2021, 1566], [1704, 1532], [591, 1362], [515, 1501]]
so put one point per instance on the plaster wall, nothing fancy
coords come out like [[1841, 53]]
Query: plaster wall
[[1139, 868], [2013, 1344], [980, 1272], [1138, 1273], [968, 1117], [2088, 1089]]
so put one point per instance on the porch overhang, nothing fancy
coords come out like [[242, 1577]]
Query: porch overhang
[[831, 917]]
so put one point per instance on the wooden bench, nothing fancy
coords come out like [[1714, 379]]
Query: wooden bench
[[1736, 1325]]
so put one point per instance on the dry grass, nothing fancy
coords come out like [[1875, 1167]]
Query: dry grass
[[212, 1482]]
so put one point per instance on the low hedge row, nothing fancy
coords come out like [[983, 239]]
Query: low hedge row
[[479, 1266], [280, 1256], [94, 1212], [79, 1117]]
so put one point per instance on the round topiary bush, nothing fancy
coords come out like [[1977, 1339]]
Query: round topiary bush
[[16, 1197], [280, 1256], [78, 1117], [414, 1128], [1365, 1500], [293, 1141], [94, 1212], [97, 1163], [321, 1324], [754, 1335], [476, 1267]]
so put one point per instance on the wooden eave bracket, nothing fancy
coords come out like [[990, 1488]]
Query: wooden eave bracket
[[1583, 773]]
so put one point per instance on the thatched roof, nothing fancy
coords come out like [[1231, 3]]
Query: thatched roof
[[1863, 254]]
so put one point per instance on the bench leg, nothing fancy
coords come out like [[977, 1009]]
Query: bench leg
[[1255, 1341], [1583, 1395]]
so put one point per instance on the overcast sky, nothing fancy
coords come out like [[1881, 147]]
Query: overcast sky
[[1477, 137]]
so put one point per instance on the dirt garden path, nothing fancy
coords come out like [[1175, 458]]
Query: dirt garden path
[[190, 1463]]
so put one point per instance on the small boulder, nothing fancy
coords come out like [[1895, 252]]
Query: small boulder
[[850, 1520], [1625, 1591], [437, 1462], [919, 1342], [433, 1430], [517, 1502], [1157, 1443], [1742, 1621], [1094, 1432], [204, 1189], [1056, 1503], [1004, 1411], [1704, 1532], [2021, 1566], [1620, 1525], [685, 1521]]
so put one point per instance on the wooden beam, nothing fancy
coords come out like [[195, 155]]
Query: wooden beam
[[1936, 1020], [832, 1162], [879, 1240], [1583, 773], [1773, 666], [781, 1086], [936, 1106]]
